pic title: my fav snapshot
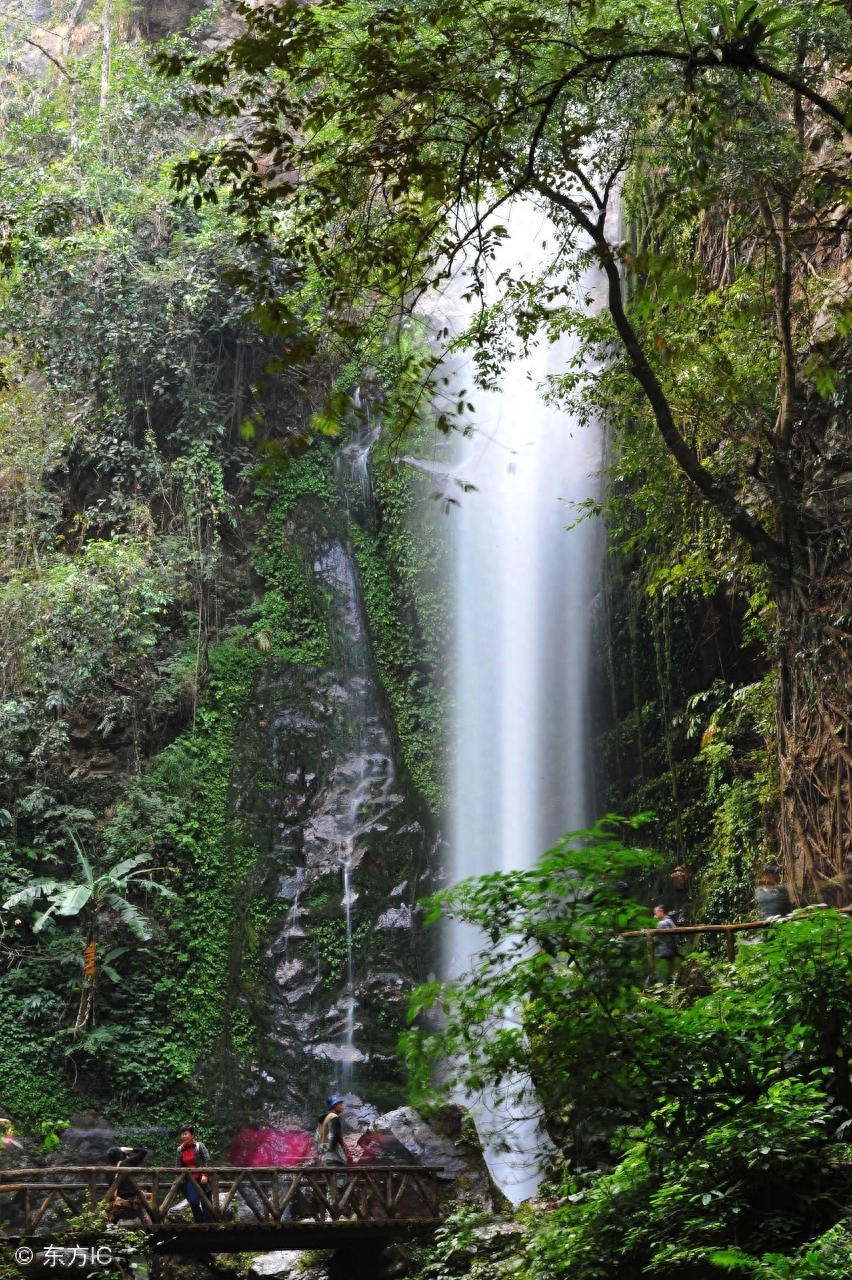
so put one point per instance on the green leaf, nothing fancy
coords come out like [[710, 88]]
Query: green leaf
[[73, 900]]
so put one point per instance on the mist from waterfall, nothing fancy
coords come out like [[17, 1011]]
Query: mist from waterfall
[[524, 588]]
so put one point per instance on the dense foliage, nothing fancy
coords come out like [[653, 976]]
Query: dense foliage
[[380, 145], [164, 358], [696, 1125], [154, 486]]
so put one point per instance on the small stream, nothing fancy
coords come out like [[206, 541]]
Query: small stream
[[345, 842]]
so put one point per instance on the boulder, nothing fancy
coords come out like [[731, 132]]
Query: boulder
[[448, 1139], [284, 1264]]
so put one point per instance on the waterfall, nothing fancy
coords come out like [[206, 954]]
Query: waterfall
[[349, 994], [523, 595]]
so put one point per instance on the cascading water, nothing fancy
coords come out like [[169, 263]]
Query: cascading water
[[361, 790], [349, 994], [523, 596], [339, 835]]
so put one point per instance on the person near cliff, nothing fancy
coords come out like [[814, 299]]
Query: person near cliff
[[125, 1203], [666, 949], [330, 1133], [332, 1151], [193, 1155]]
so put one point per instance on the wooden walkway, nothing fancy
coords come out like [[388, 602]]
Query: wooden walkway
[[250, 1208], [729, 930]]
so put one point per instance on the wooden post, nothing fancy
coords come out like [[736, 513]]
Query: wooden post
[[730, 944]]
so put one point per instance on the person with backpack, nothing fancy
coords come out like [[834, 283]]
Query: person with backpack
[[125, 1200], [330, 1139], [193, 1155], [330, 1133]]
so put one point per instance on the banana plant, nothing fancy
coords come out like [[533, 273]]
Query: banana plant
[[86, 896]]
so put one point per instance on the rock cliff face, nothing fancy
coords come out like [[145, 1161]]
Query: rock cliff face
[[344, 851], [344, 855]]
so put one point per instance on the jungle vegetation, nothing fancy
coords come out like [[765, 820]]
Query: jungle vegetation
[[699, 1128], [377, 142], [155, 447], [198, 269]]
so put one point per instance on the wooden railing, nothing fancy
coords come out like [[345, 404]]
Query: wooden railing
[[729, 930], [45, 1199]]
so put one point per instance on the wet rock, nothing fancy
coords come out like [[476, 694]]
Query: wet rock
[[395, 918], [364, 1262], [338, 1052], [89, 1137], [420, 1140], [359, 1116], [448, 1139], [288, 970], [382, 1149], [283, 1265], [383, 989]]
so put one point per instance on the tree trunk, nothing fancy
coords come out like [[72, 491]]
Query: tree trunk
[[106, 53], [814, 719], [86, 1007]]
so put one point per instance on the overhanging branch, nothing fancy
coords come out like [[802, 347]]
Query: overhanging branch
[[765, 549]]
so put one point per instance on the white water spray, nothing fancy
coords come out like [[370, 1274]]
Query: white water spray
[[349, 994], [524, 590]]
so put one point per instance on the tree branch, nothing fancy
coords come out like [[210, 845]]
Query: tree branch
[[765, 549], [67, 74]]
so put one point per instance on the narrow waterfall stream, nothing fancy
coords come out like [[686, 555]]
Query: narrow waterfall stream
[[523, 595], [344, 843], [362, 789]]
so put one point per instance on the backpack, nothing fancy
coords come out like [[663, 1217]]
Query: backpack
[[323, 1143]]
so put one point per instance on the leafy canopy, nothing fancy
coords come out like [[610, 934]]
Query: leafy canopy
[[688, 1121], [378, 141]]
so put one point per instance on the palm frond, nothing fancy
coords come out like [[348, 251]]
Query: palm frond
[[154, 886], [131, 916], [30, 892], [82, 858], [43, 918], [121, 869], [73, 899]]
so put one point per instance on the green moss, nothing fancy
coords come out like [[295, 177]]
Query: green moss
[[403, 585], [328, 937], [292, 618]]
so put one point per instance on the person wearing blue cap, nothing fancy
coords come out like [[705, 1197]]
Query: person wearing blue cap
[[330, 1140]]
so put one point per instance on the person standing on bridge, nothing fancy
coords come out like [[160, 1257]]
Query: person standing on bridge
[[193, 1154], [330, 1139], [125, 1201], [330, 1133]]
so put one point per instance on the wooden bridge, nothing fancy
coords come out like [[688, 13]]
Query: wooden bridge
[[251, 1209]]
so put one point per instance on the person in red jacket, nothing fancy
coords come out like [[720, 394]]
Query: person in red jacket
[[193, 1154]]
